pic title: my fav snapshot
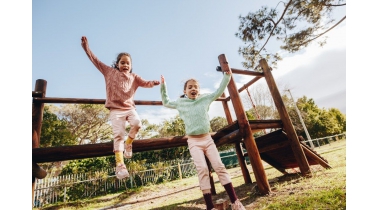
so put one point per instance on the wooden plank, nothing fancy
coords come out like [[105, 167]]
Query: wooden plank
[[263, 124], [288, 126], [273, 147], [315, 157], [94, 101], [243, 72], [245, 131], [273, 163], [52, 154]]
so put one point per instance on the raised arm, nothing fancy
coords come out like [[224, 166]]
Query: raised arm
[[223, 84], [164, 95], [145, 83], [98, 64]]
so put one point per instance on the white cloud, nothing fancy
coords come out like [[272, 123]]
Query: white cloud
[[336, 41]]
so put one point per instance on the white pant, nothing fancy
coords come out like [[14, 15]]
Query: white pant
[[204, 146], [118, 118]]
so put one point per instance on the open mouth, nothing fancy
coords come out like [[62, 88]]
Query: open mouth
[[193, 93]]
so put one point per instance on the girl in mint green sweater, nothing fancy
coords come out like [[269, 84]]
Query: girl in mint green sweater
[[193, 109]]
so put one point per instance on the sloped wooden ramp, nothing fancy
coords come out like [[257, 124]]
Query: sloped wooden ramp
[[275, 150]]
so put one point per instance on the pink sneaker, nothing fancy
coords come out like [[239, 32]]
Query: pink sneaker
[[128, 151], [121, 171], [237, 205]]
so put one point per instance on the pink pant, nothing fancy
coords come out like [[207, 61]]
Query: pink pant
[[118, 119], [199, 148]]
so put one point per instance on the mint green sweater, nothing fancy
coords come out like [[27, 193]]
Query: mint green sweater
[[194, 113]]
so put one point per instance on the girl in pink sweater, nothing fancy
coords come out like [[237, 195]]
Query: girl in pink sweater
[[121, 85]]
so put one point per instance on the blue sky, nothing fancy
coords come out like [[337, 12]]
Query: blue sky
[[178, 39]]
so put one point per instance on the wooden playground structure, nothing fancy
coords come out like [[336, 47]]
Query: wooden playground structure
[[281, 149]]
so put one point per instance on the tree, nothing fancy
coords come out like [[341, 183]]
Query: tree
[[54, 131], [146, 131], [260, 101], [172, 127], [295, 23], [218, 123], [320, 122], [87, 122], [88, 165]]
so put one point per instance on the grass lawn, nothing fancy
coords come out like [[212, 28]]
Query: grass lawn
[[326, 189]]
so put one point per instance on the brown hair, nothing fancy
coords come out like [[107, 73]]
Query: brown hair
[[114, 65], [185, 85]]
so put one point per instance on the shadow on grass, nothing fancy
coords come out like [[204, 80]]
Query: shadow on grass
[[247, 193]]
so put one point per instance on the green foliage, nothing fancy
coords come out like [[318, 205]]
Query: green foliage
[[319, 122], [89, 123], [218, 123], [146, 131], [250, 115], [88, 165], [172, 127], [54, 131], [294, 23], [162, 171]]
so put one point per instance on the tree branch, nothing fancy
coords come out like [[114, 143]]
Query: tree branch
[[335, 5], [323, 32], [274, 27]]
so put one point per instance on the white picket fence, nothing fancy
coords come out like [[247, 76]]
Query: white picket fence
[[326, 139], [53, 189]]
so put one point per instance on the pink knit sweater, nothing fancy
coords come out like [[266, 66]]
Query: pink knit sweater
[[120, 87]]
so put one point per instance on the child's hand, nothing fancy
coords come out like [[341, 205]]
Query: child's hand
[[228, 71], [162, 79], [155, 82], [84, 42]]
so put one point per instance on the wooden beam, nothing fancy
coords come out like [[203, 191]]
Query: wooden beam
[[245, 131], [86, 101], [246, 85], [288, 126], [52, 154], [229, 138], [317, 159], [37, 171], [263, 124], [249, 83], [94, 101], [244, 72], [37, 116], [37, 94]]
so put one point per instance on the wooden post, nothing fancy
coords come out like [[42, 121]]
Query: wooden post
[[246, 132], [179, 171], [239, 151], [227, 110], [242, 163], [288, 126], [37, 114]]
